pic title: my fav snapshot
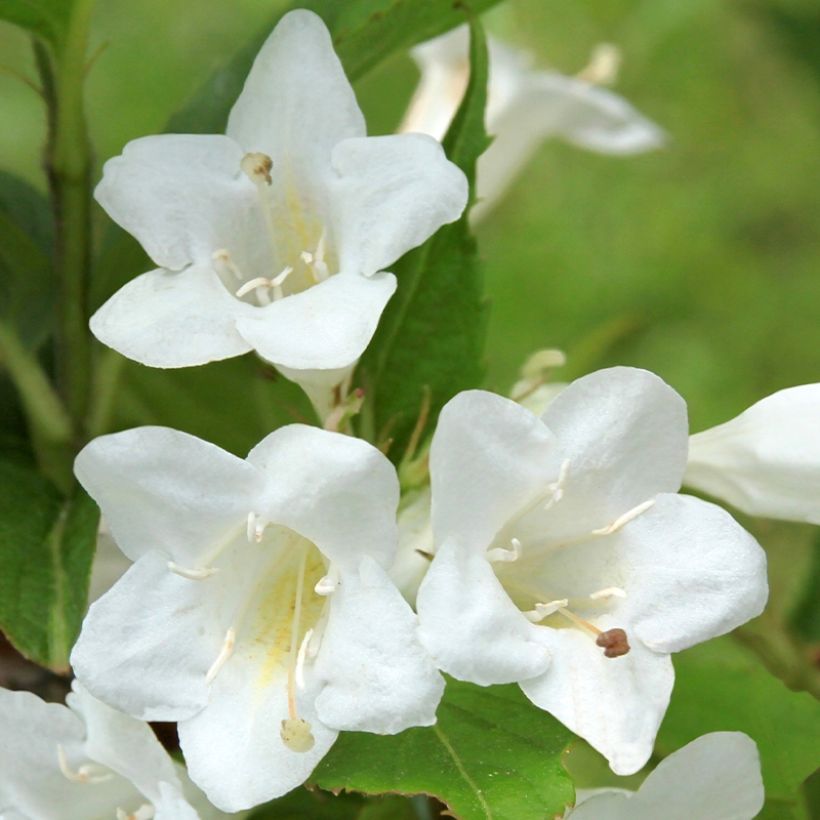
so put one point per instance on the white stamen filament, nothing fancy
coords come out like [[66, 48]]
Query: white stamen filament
[[628, 516], [259, 283], [499, 554], [295, 731], [542, 611], [192, 574], [299, 672], [222, 259], [88, 773], [224, 653], [608, 592], [556, 489]]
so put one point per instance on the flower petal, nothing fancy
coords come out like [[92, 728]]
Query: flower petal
[[167, 319], [181, 195], [31, 783], [352, 485], [766, 461], [233, 747], [131, 749], [372, 673], [489, 458], [615, 704], [470, 626], [147, 644], [724, 767], [297, 102], [390, 194], [624, 431], [160, 489], [325, 327], [695, 572]]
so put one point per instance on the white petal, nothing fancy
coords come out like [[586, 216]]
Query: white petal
[[171, 805], [338, 491], [415, 538], [489, 459], [168, 319], [31, 783], [694, 573], [233, 747], [124, 744], [146, 645], [372, 673], [615, 704], [766, 461], [160, 489], [389, 194], [325, 327], [624, 432], [296, 103], [716, 777], [181, 195], [469, 624]]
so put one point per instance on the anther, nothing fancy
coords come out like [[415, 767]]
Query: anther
[[604, 64], [145, 812], [192, 574], [224, 653], [296, 735], [325, 586], [613, 642], [556, 489], [608, 592], [501, 555], [542, 611], [623, 520], [257, 167]]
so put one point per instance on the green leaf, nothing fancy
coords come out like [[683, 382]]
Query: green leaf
[[431, 335], [492, 754], [314, 804], [45, 18], [721, 686], [365, 32], [46, 549], [26, 279]]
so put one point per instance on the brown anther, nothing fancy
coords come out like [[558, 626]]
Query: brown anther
[[258, 166], [613, 642], [425, 554]]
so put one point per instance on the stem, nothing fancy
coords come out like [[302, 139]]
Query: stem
[[68, 165], [106, 380]]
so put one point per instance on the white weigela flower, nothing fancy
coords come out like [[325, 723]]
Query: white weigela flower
[[766, 461], [258, 612], [525, 106], [565, 561], [716, 777], [273, 237], [87, 762]]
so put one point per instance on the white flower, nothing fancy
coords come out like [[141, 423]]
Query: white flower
[[86, 762], [566, 561], [258, 612], [272, 238], [525, 106], [415, 542], [716, 777], [766, 461]]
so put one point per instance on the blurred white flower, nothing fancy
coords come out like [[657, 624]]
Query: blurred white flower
[[565, 561], [525, 106], [258, 612], [273, 238], [716, 777], [766, 461], [87, 762]]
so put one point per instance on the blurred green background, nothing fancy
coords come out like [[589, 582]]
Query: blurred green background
[[700, 261]]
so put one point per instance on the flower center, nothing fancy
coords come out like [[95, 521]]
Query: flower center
[[294, 253]]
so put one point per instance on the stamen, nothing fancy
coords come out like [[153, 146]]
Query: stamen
[[614, 643], [256, 528], [623, 520], [88, 773], [145, 812], [604, 64], [325, 586], [608, 592], [499, 554], [224, 653], [222, 259], [279, 280], [299, 672], [556, 489], [294, 731], [257, 167], [253, 284], [542, 611], [195, 574]]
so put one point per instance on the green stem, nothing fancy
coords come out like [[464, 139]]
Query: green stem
[[106, 380], [69, 166]]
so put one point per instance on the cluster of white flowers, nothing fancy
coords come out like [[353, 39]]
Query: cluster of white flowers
[[262, 610]]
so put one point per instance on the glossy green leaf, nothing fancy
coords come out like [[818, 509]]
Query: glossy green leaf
[[365, 32], [431, 337], [314, 804], [46, 549], [721, 686], [492, 754], [27, 289]]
